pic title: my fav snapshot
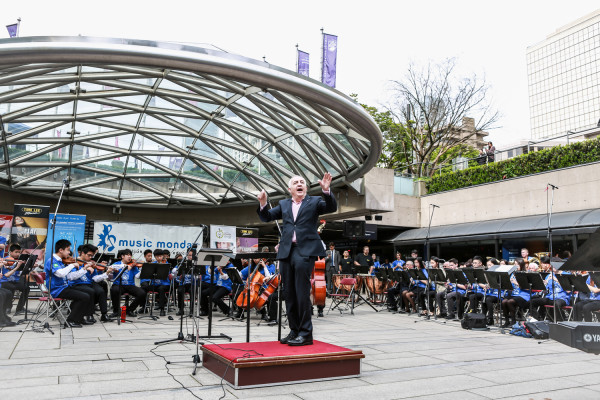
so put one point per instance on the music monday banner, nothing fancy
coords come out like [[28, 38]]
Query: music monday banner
[[111, 237], [30, 227], [68, 226]]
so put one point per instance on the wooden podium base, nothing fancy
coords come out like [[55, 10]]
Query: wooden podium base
[[245, 365]]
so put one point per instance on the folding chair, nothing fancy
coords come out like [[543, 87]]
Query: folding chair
[[53, 307], [341, 297]]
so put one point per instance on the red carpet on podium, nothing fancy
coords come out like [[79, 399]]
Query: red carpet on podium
[[267, 363]]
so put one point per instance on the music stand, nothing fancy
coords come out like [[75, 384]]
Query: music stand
[[499, 281], [29, 260], [575, 282], [532, 280], [236, 279], [154, 271], [216, 258]]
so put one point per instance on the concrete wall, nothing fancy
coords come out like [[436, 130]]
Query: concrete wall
[[579, 190]]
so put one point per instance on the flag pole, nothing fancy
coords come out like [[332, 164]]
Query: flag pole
[[18, 26], [297, 64], [322, 52]]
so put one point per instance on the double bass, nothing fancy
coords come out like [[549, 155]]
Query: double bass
[[318, 292]]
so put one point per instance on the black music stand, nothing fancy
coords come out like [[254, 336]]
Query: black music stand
[[154, 271], [216, 258], [236, 279], [575, 282], [251, 272], [499, 281], [29, 260], [531, 280]]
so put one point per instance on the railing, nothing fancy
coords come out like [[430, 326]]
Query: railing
[[499, 155]]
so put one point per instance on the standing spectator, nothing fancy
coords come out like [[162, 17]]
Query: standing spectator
[[490, 151], [332, 261]]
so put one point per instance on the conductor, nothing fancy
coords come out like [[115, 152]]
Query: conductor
[[299, 248]]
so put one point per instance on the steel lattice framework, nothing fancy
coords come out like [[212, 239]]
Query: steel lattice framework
[[164, 124]]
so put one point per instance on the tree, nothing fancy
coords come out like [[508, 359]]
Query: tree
[[428, 107]]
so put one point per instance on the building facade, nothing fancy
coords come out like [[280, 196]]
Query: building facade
[[564, 79]]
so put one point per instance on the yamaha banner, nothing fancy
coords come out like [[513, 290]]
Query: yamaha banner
[[329, 72], [303, 63]]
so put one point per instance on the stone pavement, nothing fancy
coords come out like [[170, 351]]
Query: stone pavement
[[405, 358]]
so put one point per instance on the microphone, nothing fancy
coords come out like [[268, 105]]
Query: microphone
[[67, 181], [435, 206], [553, 186]]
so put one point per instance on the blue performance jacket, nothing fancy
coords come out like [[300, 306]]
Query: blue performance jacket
[[128, 277]]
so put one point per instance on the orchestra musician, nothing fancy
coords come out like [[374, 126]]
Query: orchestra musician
[[587, 302], [89, 283], [517, 298], [221, 288], [408, 289], [58, 284], [553, 288], [477, 291], [267, 270], [299, 248], [393, 292], [491, 296], [451, 295], [5, 299], [125, 283], [12, 279], [161, 286]]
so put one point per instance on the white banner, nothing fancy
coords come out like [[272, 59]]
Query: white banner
[[222, 237], [113, 236]]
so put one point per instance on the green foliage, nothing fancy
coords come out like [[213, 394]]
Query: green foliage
[[540, 161]]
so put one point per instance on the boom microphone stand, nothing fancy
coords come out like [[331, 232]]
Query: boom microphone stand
[[429, 258], [549, 213]]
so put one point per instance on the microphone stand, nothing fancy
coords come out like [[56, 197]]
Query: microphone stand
[[428, 258], [549, 213], [279, 299]]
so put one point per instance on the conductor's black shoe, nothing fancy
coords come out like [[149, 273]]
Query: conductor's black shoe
[[162, 313], [105, 318], [289, 337], [320, 314], [300, 341]]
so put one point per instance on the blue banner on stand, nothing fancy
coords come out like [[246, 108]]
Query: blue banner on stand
[[303, 63], [68, 226], [329, 71]]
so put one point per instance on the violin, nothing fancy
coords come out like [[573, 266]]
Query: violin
[[11, 262]]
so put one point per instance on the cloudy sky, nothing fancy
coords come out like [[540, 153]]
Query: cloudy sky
[[377, 39]]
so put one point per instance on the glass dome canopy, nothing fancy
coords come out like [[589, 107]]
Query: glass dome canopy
[[164, 124]]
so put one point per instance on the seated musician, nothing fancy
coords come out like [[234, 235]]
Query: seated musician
[[221, 288], [148, 256], [161, 286], [477, 291], [88, 283], [267, 270], [184, 282], [516, 298], [12, 279], [5, 299], [408, 289], [426, 295], [587, 302], [123, 279], [58, 285], [453, 295], [393, 292], [491, 297], [553, 288]]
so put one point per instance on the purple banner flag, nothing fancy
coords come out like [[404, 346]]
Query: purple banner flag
[[13, 29], [302, 63], [329, 72]]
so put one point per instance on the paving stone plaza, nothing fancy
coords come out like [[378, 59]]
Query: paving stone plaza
[[406, 357]]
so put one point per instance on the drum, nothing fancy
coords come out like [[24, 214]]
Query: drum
[[361, 282], [337, 278]]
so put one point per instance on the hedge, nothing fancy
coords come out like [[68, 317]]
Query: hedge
[[540, 161]]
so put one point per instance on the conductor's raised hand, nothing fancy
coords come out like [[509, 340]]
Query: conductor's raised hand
[[325, 182], [262, 198]]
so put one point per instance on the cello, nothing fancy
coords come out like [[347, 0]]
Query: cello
[[254, 283], [318, 292]]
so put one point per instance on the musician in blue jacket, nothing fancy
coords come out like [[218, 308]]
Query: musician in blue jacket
[[299, 247]]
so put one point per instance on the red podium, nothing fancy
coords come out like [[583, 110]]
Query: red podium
[[257, 364]]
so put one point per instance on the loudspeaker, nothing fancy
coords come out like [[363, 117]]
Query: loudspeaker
[[354, 229]]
